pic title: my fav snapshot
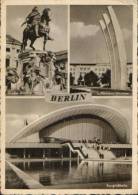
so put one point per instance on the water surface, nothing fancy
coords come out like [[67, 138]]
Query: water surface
[[70, 174]]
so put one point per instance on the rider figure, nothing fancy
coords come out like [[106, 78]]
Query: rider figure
[[46, 14], [45, 19], [33, 19], [40, 26]]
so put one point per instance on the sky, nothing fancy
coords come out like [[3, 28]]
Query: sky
[[18, 110], [16, 16], [87, 44], [87, 41]]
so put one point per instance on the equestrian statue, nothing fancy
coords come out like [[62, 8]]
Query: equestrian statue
[[37, 25]]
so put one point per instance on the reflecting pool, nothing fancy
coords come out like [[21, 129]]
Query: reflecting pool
[[70, 174]]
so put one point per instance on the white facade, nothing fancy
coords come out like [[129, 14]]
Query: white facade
[[98, 69], [82, 128], [12, 51], [111, 116]]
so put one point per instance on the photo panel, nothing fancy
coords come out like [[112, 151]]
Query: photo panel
[[74, 146], [36, 49], [101, 44]]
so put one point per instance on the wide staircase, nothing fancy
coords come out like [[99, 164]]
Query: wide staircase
[[103, 153], [82, 154], [92, 153], [86, 150], [83, 151]]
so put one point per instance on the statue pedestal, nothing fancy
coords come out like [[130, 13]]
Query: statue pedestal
[[37, 70]]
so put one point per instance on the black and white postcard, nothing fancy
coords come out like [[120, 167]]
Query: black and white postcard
[[69, 97]]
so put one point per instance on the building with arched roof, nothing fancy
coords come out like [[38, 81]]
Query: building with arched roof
[[81, 122], [70, 129]]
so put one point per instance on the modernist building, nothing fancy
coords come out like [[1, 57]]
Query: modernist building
[[75, 124], [78, 69], [81, 122]]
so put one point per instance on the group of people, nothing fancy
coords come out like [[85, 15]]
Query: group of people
[[96, 144], [94, 140]]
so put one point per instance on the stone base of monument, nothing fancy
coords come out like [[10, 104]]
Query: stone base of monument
[[56, 88], [27, 54], [40, 90], [38, 64]]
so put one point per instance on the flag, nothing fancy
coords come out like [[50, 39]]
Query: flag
[[26, 122]]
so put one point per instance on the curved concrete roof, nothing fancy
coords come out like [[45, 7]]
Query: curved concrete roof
[[112, 116]]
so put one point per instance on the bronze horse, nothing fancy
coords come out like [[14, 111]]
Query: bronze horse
[[44, 29]]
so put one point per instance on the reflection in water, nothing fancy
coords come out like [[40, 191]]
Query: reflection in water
[[69, 172]]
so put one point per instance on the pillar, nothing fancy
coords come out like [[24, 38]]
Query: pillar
[[121, 49], [69, 153], [111, 60], [29, 155], [61, 154], [116, 49], [24, 165], [44, 153], [49, 152], [28, 164], [77, 74], [70, 167], [78, 159], [125, 153], [24, 153], [43, 164]]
